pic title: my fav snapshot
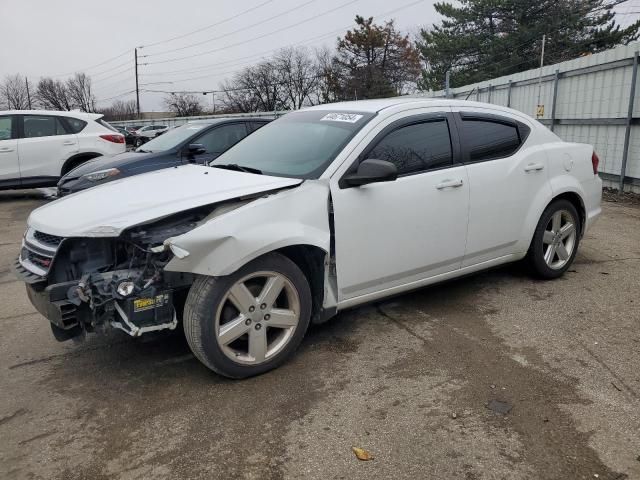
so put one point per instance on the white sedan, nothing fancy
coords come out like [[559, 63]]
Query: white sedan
[[321, 210]]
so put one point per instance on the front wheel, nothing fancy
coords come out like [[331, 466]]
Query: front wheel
[[555, 241], [139, 142], [251, 321]]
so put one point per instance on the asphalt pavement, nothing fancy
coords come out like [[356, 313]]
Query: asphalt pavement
[[494, 376]]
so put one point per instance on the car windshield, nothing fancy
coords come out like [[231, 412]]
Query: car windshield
[[299, 145], [172, 138]]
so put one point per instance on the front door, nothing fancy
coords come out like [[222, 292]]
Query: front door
[[394, 233]]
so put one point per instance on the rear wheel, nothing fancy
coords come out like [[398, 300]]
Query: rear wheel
[[139, 142], [555, 241], [251, 321]]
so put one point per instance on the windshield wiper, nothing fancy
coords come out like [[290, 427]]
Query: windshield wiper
[[143, 151], [238, 168]]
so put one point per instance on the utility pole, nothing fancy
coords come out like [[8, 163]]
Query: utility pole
[[137, 88], [544, 39], [28, 94]]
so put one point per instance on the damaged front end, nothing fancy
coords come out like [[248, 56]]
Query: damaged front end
[[85, 284]]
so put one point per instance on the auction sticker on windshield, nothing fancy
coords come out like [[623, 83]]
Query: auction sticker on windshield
[[341, 117]]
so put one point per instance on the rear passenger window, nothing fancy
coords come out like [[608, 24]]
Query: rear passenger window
[[489, 140], [6, 128], [42, 126], [416, 148], [76, 124]]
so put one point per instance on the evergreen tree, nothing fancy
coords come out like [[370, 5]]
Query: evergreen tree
[[483, 39], [376, 61]]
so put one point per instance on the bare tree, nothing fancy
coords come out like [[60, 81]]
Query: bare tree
[[14, 93], [120, 110], [237, 99], [79, 89], [330, 77], [53, 95], [256, 88], [297, 75], [183, 104]]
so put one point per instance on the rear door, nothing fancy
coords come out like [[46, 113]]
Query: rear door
[[506, 179], [44, 146], [9, 164]]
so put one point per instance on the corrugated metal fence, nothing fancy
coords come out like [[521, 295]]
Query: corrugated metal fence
[[589, 99]]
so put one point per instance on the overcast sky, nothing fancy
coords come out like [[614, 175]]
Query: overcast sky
[[57, 38], [61, 37]]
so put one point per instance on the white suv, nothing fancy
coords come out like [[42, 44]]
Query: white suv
[[37, 147]]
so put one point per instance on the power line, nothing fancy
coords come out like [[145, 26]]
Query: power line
[[111, 69], [207, 27], [93, 66], [232, 33], [260, 54], [256, 38], [126, 70]]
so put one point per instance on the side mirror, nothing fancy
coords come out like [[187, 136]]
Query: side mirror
[[371, 171], [195, 149]]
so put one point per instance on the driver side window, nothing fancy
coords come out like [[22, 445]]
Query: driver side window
[[417, 147], [220, 139]]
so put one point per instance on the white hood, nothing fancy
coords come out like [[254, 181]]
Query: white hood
[[107, 210]]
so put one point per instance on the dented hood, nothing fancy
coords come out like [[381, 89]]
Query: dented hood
[[106, 210]]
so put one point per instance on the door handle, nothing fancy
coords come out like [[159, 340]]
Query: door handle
[[69, 142], [534, 167], [6, 149], [449, 184]]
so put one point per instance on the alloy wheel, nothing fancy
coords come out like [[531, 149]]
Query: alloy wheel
[[257, 317], [559, 239]]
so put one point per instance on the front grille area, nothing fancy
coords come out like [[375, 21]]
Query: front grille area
[[38, 251], [37, 259], [50, 240]]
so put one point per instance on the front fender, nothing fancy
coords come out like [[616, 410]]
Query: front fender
[[299, 216]]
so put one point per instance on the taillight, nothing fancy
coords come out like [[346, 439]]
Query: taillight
[[595, 161], [113, 138]]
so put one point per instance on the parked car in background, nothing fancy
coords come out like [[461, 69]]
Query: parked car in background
[[196, 142], [38, 147], [129, 138], [146, 133], [321, 210]]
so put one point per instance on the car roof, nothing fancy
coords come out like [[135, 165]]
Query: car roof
[[212, 121], [377, 105], [61, 113]]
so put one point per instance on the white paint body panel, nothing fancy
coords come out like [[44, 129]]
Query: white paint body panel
[[9, 164]]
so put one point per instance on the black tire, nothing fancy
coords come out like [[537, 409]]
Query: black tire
[[535, 255], [139, 142], [202, 303]]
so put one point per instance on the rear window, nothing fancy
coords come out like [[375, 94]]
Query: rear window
[[106, 125], [488, 140], [75, 124]]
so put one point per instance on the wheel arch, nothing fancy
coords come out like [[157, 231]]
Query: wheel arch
[[77, 159], [313, 261]]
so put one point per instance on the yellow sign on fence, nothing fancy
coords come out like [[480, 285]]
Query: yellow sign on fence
[[540, 111]]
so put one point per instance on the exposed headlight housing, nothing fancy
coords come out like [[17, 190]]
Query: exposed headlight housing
[[101, 174]]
